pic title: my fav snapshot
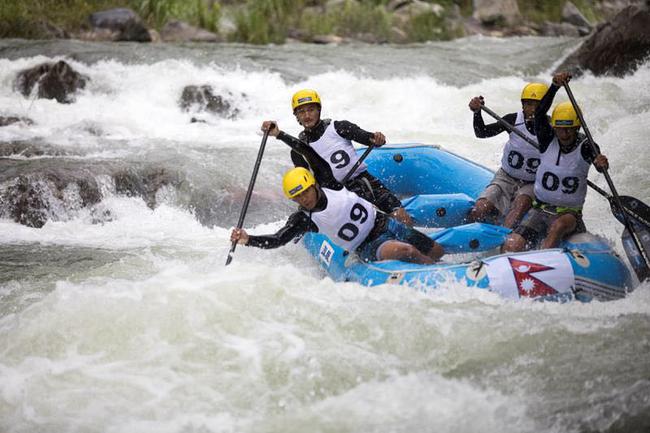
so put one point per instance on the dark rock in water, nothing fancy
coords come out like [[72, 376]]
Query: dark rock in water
[[32, 199], [180, 31], [123, 22], [27, 149], [202, 98], [8, 120], [51, 31], [571, 14], [145, 182], [560, 29], [53, 81], [35, 190], [615, 48]]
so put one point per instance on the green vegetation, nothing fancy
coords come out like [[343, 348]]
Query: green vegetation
[[273, 21], [551, 10], [27, 18], [265, 21]]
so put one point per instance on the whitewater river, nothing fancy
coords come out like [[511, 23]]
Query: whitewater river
[[121, 317]]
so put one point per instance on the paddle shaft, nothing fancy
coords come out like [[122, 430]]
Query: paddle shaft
[[357, 164], [249, 193], [610, 183]]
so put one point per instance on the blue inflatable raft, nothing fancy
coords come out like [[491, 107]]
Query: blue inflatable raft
[[440, 188]]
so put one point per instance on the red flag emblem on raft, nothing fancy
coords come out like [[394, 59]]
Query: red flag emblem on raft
[[528, 285]]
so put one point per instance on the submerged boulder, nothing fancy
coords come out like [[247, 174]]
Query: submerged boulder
[[120, 24], [202, 98], [53, 81], [497, 13], [8, 120], [615, 48], [180, 31], [38, 190], [32, 199]]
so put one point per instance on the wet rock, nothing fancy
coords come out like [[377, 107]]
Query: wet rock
[[52, 80], [32, 199], [418, 7], [179, 31], [27, 149], [8, 120], [202, 98], [615, 48], [51, 31], [497, 13], [560, 29], [406, 11], [121, 24], [608, 9], [572, 15], [35, 191], [326, 39], [144, 182]]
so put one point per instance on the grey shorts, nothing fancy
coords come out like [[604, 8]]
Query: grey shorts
[[503, 189], [536, 223]]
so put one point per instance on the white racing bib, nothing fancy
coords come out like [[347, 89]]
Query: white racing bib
[[347, 220], [520, 159], [337, 152], [562, 177]]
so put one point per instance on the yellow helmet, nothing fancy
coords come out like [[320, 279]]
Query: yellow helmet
[[296, 181], [565, 116], [304, 97], [535, 91]]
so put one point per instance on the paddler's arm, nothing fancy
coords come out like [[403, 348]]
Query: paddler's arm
[[297, 224], [352, 132], [481, 130], [543, 128]]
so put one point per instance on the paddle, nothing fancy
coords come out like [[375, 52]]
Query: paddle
[[632, 206], [635, 209], [641, 271], [357, 164], [247, 199]]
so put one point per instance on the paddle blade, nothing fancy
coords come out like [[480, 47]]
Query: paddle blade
[[231, 253], [636, 209], [633, 254]]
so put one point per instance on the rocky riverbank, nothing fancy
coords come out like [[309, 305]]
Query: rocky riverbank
[[317, 21]]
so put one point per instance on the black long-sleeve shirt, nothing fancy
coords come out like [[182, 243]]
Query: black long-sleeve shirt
[[298, 223], [545, 133], [481, 130]]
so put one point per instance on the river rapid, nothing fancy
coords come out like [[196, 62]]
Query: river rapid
[[122, 318]]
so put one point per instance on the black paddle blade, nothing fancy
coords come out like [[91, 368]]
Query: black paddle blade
[[633, 254], [636, 210]]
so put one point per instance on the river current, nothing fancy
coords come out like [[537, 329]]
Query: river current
[[122, 317]]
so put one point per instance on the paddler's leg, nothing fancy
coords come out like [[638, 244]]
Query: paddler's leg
[[527, 234], [514, 243], [402, 216], [482, 211], [520, 206], [563, 225], [398, 250], [428, 251], [495, 199]]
